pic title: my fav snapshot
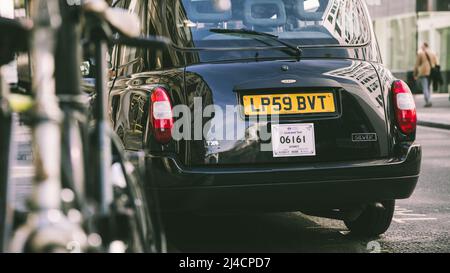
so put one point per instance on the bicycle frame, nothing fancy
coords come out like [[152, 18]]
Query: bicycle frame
[[99, 34], [102, 138], [98, 180], [47, 228], [55, 43]]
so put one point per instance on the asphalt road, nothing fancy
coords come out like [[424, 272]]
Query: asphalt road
[[421, 223]]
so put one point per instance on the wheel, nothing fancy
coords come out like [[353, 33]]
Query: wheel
[[374, 220]]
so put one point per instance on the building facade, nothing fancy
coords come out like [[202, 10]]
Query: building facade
[[403, 25]]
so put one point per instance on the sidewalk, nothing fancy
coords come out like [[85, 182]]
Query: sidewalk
[[437, 116]]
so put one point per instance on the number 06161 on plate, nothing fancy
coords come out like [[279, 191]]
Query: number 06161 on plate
[[293, 140]]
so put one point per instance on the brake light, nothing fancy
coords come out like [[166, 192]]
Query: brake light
[[405, 107], [161, 115]]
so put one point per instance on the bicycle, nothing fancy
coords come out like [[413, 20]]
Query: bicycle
[[73, 207]]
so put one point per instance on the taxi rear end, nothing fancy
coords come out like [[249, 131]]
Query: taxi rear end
[[247, 123], [314, 138], [329, 141]]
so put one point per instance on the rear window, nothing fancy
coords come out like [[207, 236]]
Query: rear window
[[301, 22]]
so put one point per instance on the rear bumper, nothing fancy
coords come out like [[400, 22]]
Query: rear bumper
[[287, 188]]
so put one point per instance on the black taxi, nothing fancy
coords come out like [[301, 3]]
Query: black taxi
[[267, 105]]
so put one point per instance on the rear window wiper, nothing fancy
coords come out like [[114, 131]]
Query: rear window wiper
[[247, 32]]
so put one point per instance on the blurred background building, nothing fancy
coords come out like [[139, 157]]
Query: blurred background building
[[403, 25]]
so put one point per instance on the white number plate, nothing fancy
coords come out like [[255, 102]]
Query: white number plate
[[291, 140]]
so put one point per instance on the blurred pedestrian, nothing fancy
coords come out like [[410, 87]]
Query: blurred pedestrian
[[425, 63]]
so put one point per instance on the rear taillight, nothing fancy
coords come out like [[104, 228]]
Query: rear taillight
[[405, 107], [161, 115]]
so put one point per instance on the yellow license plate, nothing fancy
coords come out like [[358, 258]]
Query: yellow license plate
[[289, 104]]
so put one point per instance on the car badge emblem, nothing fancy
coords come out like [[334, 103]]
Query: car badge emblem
[[288, 81], [366, 137]]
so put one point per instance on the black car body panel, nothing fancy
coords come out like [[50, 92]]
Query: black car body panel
[[361, 156], [360, 109], [291, 188]]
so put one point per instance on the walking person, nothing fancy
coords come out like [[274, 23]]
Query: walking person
[[425, 63]]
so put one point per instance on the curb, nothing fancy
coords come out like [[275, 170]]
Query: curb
[[434, 125]]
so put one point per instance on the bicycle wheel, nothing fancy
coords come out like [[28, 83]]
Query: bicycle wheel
[[146, 230]]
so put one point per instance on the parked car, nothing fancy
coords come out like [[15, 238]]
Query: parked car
[[319, 124]]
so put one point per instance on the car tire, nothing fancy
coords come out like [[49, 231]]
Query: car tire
[[374, 220]]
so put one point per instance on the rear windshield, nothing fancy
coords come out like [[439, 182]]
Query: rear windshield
[[299, 22]]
